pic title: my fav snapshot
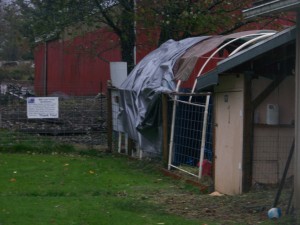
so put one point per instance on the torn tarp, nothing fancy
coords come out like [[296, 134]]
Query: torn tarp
[[140, 93], [187, 62]]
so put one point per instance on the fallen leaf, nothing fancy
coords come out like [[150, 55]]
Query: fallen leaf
[[216, 194], [91, 172], [13, 180]]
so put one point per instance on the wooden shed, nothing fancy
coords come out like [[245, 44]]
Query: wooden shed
[[254, 95], [265, 9]]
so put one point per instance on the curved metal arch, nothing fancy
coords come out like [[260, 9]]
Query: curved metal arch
[[219, 49], [249, 42]]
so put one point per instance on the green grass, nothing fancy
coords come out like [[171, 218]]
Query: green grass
[[17, 142], [46, 182], [72, 189]]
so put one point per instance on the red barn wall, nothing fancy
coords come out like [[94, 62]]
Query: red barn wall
[[76, 67], [146, 41], [39, 55]]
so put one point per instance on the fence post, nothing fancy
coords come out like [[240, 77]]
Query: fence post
[[165, 149], [130, 146], [109, 118]]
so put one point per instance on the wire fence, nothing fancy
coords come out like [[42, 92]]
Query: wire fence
[[191, 145], [187, 133], [81, 120], [273, 168], [269, 159]]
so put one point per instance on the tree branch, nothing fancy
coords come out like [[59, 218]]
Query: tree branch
[[108, 18]]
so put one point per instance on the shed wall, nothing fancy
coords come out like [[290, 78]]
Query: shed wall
[[272, 143]]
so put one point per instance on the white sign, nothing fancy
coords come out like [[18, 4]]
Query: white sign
[[42, 107], [3, 88]]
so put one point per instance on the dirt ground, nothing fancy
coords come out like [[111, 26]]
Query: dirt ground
[[249, 208]]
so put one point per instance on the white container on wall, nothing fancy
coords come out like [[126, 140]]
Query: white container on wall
[[272, 114], [118, 73]]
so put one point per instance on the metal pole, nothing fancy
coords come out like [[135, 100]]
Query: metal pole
[[109, 118], [173, 125], [172, 133], [165, 127], [203, 139], [286, 169], [45, 70], [296, 198]]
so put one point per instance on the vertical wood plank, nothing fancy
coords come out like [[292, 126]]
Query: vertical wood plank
[[109, 118], [165, 149]]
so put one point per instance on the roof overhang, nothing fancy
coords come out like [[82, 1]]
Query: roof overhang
[[271, 8], [211, 78]]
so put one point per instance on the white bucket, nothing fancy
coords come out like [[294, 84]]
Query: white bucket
[[272, 114]]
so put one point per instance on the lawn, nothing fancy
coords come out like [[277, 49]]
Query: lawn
[[38, 189], [89, 187]]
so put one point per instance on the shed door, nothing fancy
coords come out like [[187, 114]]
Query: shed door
[[229, 142]]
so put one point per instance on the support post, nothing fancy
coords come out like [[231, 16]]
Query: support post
[[203, 138], [248, 136], [165, 149], [297, 124], [109, 118]]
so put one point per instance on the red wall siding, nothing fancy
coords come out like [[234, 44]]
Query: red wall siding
[[146, 41], [39, 69], [73, 67]]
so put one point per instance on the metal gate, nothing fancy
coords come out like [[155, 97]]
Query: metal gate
[[190, 148]]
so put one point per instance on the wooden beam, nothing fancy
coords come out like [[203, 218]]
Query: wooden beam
[[109, 119], [262, 96], [248, 137], [296, 199], [165, 128]]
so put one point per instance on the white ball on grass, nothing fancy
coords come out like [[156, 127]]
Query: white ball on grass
[[274, 213]]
